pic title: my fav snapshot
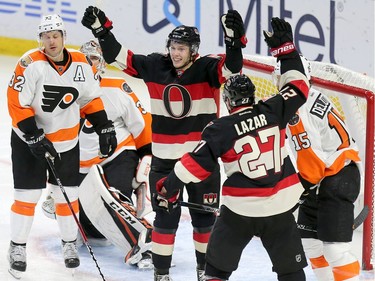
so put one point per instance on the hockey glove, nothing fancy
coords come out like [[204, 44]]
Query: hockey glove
[[164, 199], [280, 41], [96, 20], [39, 144], [107, 139], [234, 30]]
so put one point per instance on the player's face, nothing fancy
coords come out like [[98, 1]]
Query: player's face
[[180, 55], [53, 42]]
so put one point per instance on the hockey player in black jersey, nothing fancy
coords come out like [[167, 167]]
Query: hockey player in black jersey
[[184, 96], [262, 185]]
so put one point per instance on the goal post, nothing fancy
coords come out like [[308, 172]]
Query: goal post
[[353, 95]]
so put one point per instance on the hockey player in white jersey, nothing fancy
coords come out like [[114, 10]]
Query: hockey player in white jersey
[[51, 88], [327, 160]]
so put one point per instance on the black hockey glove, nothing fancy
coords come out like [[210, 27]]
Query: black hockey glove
[[96, 20], [280, 41], [107, 139], [234, 30], [166, 197], [39, 144]]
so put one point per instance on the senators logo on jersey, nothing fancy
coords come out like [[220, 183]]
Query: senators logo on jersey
[[61, 96]]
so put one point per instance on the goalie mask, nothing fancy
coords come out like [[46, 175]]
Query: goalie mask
[[239, 90], [94, 53], [188, 35], [51, 23]]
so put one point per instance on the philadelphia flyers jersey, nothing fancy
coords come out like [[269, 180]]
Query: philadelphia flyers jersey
[[320, 139], [261, 179], [132, 123], [182, 104], [55, 95]]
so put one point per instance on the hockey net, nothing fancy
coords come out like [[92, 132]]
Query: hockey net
[[353, 95]]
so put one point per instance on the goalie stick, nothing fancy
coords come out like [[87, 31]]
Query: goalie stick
[[359, 219], [50, 160], [199, 207]]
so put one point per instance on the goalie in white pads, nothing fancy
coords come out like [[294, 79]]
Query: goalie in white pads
[[124, 172]]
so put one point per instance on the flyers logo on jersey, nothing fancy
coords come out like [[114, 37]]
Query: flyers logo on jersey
[[57, 96]]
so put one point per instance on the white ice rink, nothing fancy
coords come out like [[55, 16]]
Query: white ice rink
[[45, 261]]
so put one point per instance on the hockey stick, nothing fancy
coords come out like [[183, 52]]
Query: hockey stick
[[358, 220], [361, 217], [50, 160], [199, 207]]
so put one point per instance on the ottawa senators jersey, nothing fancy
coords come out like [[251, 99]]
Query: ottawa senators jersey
[[182, 104], [320, 139], [261, 179], [132, 123], [55, 95]]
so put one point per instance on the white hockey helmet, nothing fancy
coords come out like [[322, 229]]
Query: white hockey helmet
[[93, 49], [306, 66], [51, 23]]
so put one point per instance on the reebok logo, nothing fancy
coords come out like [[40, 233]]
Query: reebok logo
[[54, 96]]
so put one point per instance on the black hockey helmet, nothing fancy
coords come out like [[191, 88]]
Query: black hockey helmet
[[185, 34], [238, 91]]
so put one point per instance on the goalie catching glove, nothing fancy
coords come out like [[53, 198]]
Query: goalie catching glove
[[234, 30], [280, 40], [96, 20]]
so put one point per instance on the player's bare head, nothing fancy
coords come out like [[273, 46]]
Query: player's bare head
[[188, 35], [277, 70], [52, 36], [94, 53], [238, 91]]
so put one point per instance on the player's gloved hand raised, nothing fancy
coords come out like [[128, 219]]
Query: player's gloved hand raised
[[234, 30], [107, 139], [96, 20], [39, 144], [280, 40], [165, 199]]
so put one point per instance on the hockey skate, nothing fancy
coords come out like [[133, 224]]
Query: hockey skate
[[70, 254], [48, 207], [200, 274], [146, 261], [17, 260], [162, 277]]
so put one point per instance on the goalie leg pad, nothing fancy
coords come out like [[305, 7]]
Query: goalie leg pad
[[115, 219]]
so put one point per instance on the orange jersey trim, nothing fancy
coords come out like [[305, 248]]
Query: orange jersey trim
[[93, 106], [64, 134], [129, 141]]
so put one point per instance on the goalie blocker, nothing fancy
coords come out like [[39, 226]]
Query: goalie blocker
[[115, 219]]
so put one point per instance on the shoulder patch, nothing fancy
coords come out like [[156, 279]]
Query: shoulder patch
[[127, 88], [294, 120], [25, 61]]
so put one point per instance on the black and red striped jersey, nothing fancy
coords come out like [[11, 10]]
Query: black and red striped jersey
[[182, 104], [261, 179]]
